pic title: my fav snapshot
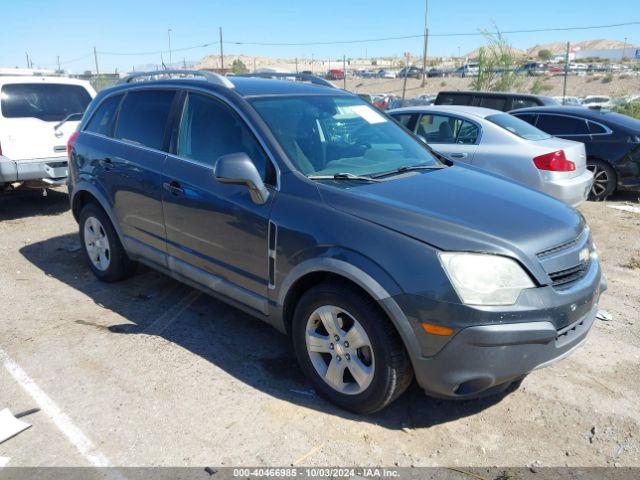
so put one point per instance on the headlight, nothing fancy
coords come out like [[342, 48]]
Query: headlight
[[483, 279]]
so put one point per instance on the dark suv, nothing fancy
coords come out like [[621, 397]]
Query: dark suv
[[496, 100], [306, 207]]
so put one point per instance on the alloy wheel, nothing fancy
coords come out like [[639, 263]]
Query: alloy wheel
[[600, 180], [96, 243], [340, 350]]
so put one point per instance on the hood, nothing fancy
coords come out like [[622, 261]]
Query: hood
[[461, 208]]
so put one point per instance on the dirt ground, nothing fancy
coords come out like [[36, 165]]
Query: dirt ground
[[151, 372], [620, 86]]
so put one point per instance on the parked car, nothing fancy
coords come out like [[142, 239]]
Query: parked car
[[469, 70], [307, 208], [436, 72], [497, 142], [534, 69], [387, 74], [37, 116], [335, 74], [612, 143], [597, 101], [570, 101], [494, 100], [410, 72]]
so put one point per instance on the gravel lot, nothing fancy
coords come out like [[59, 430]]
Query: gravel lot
[[151, 372]]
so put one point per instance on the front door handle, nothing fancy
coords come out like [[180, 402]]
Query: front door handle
[[459, 155], [173, 187], [107, 163]]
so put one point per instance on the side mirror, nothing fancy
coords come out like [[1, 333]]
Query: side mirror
[[238, 169]]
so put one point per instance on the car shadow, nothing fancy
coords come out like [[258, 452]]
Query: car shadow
[[244, 347], [28, 202]]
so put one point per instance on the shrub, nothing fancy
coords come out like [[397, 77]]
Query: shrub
[[632, 109], [496, 65], [608, 78]]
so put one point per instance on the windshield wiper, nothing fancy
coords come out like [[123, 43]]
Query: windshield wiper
[[342, 176], [407, 168], [66, 119]]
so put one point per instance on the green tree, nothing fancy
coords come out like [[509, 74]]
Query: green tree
[[544, 54], [238, 66], [497, 65]]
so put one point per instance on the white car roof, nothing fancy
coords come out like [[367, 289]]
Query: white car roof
[[479, 112], [42, 79]]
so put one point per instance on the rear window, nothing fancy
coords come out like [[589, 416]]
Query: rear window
[[143, 117], [46, 101], [518, 127]]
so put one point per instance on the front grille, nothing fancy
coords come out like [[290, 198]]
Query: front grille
[[566, 278], [558, 248]]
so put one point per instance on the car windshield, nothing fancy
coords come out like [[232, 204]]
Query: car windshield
[[518, 127], [326, 134]]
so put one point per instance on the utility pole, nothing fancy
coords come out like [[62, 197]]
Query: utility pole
[[254, 65], [95, 57], [254, 68], [58, 58], [424, 49], [221, 54], [404, 83], [624, 49], [28, 63], [344, 72], [312, 64], [566, 73], [170, 59]]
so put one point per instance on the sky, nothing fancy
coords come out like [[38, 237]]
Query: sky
[[70, 29]]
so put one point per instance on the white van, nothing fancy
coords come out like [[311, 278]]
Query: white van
[[37, 117]]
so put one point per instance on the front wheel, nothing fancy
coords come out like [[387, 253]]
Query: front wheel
[[604, 180], [348, 349]]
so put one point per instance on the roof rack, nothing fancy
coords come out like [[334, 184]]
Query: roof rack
[[160, 74], [303, 77]]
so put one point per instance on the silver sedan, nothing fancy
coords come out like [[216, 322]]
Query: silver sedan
[[503, 144]]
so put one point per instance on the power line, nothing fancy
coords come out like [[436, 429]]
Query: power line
[[158, 52]]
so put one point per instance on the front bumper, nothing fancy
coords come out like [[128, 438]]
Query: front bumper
[[50, 171], [494, 346], [573, 191]]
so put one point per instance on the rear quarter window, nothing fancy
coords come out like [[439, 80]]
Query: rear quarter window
[[50, 102], [102, 120], [562, 125], [143, 117]]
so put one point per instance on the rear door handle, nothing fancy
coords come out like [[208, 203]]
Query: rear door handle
[[459, 155], [173, 187]]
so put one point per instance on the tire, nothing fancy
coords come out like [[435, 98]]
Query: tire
[[380, 362], [604, 180], [98, 235]]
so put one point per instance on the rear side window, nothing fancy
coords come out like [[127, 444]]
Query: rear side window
[[596, 128], [445, 129], [46, 101], [143, 117], [562, 125], [454, 99], [102, 119], [497, 103], [518, 127], [523, 103], [209, 130], [527, 117]]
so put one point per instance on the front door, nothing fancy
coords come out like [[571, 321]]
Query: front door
[[450, 136], [216, 235]]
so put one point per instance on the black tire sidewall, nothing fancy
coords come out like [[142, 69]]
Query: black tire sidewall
[[376, 394]]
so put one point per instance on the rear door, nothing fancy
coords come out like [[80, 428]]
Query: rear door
[[450, 136], [216, 235], [30, 113], [130, 169]]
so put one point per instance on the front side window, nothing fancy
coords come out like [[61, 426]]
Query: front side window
[[327, 134], [209, 130], [102, 119], [518, 127], [143, 117], [403, 119], [496, 103], [446, 129], [562, 125], [50, 102]]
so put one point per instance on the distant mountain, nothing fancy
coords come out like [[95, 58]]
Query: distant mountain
[[558, 48]]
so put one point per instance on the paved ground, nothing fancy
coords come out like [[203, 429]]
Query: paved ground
[[150, 372]]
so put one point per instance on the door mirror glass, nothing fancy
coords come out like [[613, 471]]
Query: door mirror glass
[[238, 169]]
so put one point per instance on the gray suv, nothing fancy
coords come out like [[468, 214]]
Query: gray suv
[[306, 207]]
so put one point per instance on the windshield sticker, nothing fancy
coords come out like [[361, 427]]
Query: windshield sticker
[[368, 113]]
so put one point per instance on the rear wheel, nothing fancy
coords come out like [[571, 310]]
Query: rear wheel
[[102, 247], [348, 349], [604, 179]]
